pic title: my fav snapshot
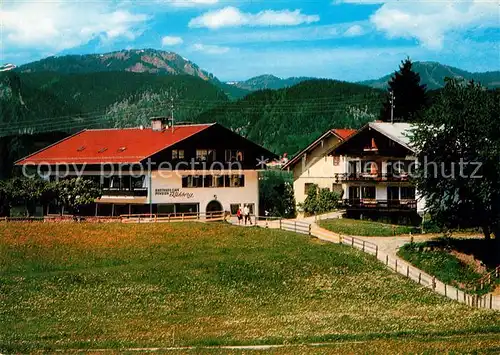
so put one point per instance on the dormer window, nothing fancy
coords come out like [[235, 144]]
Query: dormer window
[[81, 149], [122, 149], [102, 150]]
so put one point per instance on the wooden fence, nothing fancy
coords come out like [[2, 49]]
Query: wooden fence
[[398, 265], [173, 217]]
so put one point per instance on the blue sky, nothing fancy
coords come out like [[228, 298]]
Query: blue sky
[[342, 39]]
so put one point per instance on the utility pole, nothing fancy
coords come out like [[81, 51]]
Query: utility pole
[[391, 100], [172, 109]]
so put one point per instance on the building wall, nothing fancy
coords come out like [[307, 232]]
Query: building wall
[[317, 168], [168, 190]]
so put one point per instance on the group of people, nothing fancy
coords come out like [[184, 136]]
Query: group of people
[[244, 214]]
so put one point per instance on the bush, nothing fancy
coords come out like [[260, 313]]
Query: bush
[[320, 200]]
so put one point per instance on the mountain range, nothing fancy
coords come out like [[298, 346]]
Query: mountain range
[[433, 75], [268, 81], [47, 99], [154, 61], [150, 61]]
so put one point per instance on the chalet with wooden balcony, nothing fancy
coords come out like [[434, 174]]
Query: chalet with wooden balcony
[[378, 165]]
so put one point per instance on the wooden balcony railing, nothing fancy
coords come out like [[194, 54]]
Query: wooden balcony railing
[[381, 204], [400, 177]]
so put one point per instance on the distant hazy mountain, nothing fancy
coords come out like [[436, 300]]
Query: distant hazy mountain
[[150, 61], [267, 81], [433, 74]]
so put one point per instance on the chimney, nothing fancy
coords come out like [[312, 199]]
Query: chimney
[[157, 124]]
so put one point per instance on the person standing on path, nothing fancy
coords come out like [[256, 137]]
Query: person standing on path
[[239, 215], [246, 214]]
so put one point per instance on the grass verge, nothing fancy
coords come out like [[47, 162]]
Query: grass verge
[[356, 227], [442, 264]]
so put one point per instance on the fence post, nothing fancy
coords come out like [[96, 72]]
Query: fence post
[[363, 245], [491, 300], [408, 271], [352, 242], [295, 225], [419, 278], [376, 251], [445, 291], [309, 229], [387, 260], [433, 283], [457, 294], [280, 222], [396, 265]]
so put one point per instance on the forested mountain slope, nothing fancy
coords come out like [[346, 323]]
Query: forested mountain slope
[[46, 101], [149, 61], [286, 120]]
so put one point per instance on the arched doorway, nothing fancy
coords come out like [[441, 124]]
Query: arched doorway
[[214, 206]]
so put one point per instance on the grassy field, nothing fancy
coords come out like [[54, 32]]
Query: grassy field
[[356, 227], [442, 264], [114, 286]]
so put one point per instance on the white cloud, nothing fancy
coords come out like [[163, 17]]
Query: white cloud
[[209, 49], [354, 31], [58, 25], [232, 17], [431, 21], [190, 3], [171, 41]]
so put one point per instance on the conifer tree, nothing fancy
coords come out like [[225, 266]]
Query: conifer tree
[[410, 97]]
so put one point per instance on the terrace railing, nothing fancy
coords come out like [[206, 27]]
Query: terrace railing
[[381, 204], [374, 177]]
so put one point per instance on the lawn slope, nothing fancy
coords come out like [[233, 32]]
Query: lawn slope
[[117, 286], [356, 227]]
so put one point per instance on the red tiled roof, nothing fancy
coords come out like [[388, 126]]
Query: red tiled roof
[[129, 145], [344, 133]]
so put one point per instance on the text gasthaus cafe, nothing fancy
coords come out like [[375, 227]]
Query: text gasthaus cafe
[[179, 169]]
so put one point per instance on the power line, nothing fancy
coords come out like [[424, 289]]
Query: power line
[[276, 107]]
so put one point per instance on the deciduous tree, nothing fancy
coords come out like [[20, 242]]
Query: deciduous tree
[[73, 193], [459, 151]]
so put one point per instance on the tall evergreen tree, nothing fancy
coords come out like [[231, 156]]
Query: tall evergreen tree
[[409, 96]]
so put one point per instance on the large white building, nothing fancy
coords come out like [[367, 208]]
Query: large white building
[[187, 168]]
